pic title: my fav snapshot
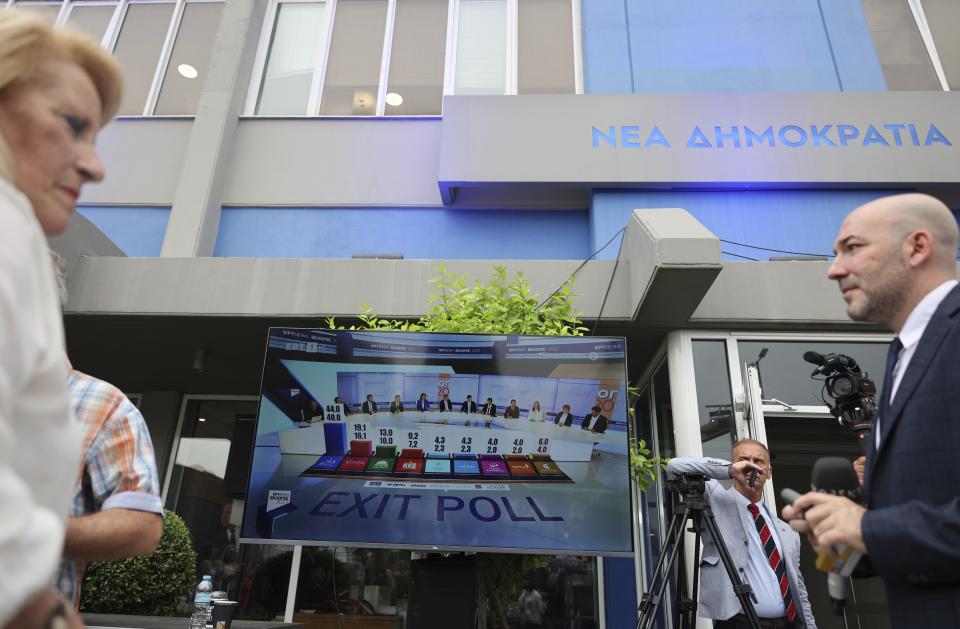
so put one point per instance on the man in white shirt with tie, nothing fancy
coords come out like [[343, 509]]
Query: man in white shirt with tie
[[896, 265]]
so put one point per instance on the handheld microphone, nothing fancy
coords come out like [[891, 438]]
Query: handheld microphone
[[835, 476]]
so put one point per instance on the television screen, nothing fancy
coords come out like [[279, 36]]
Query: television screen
[[441, 442]]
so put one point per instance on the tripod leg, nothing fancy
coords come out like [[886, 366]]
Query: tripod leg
[[741, 589], [661, 575], [688, 604]]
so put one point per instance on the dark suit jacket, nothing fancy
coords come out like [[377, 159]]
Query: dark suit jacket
[[912, 484], [445, 405], [370, 407], [396, 407], [511, 413], [423, 405], [567, 420], [489, 409], [471, 409], [601, 423]]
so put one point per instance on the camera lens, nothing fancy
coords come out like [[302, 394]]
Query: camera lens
[[842, 386]]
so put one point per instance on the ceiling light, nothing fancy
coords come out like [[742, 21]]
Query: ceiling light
[[187, 70], [394, 99], [201, 419], [199, 360]]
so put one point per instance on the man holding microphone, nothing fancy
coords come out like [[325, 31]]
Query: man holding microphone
[[896, 265]]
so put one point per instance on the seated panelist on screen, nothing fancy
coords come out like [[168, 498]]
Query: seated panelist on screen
[[564, 418], [535, 414], [445, 405], [423, 404], [370, 406], [595, 422], [468, 406], [512, 411], [396, 406], [489, 408], [339, 400]]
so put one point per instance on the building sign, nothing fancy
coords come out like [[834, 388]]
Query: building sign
[[826, 140], [791, 136]]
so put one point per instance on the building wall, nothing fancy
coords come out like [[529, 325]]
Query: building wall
[[791, 221], [728, 46], [415, 233]]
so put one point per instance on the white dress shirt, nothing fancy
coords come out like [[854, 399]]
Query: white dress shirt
[[913, 329], [39, 440], [759, 574], [535, 416]]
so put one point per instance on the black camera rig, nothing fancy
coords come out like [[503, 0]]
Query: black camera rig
[[852, 392]]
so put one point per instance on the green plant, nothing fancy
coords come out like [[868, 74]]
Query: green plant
[[496, 307], [150, 585], [643, 467]]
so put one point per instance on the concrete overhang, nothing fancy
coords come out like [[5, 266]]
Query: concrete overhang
[[669, 275], [248, 287], [673, 261], [668, 261]]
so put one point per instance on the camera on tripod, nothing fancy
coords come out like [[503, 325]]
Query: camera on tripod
[[687, 485], [852, 392]]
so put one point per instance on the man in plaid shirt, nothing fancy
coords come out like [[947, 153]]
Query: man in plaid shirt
[[116, 511]]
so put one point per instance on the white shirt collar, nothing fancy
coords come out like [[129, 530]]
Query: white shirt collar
[[917, 321], [746, 501]]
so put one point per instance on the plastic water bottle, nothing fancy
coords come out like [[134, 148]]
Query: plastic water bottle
[[202, 607]]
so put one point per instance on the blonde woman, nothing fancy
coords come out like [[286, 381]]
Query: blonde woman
[[57, 89], [535, 414]]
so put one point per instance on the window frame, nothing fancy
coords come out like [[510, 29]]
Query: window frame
[[513, 47], [112, 34], [323, 58]]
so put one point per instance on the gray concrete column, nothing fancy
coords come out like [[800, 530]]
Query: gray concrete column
[[195, 216]]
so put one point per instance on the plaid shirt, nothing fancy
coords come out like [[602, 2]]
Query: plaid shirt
[[118, 466]]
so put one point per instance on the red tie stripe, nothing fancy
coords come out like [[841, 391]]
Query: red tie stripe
[[773, 556]]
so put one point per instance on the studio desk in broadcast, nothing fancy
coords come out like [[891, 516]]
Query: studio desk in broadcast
[[443, 446]]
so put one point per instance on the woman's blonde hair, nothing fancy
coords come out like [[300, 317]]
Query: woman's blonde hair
[[26, 41]]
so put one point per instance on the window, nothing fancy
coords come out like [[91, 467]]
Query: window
[[545, 46], [351, 58], [481, 47], [47, 10], [163, 46], [415, 79], [91, 18], [138, 50], [206, 485], [356, 53], [180, 91], [298, 33], [785, 376], [396, 57], [717, 426], [516, 47]]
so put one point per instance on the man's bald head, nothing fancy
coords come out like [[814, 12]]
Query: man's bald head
[[891, 252], [907, 213]]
